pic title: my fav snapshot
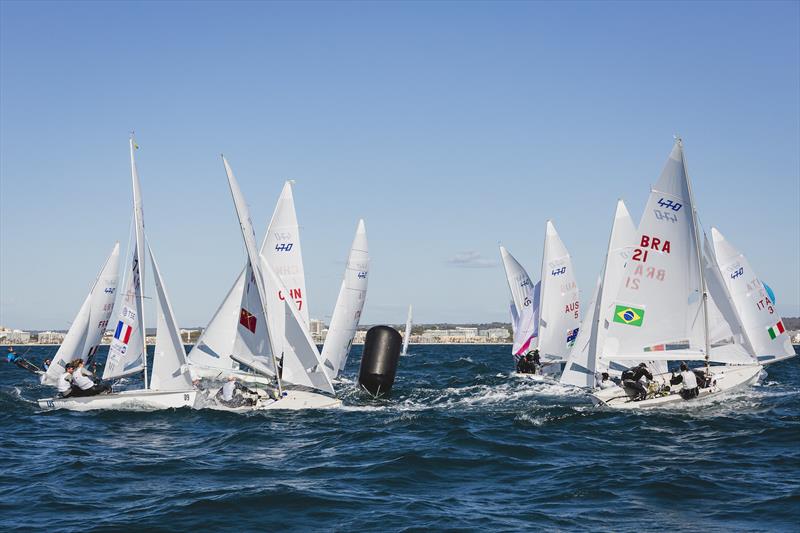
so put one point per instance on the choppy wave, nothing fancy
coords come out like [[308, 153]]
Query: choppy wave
[[463, 443]]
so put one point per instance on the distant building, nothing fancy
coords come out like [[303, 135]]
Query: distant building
[[14, 336], [495, 333], [51, 337]]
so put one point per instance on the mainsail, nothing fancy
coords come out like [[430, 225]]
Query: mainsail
[[281, 247], [170, 372], [763, 326], [126, 354], [524, 303], [559, 317], [349, 304], [90, 323]]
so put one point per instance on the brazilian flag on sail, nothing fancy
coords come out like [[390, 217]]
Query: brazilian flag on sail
[[625, 314]]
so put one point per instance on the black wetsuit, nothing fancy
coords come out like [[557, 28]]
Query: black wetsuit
[[631, 377], [97, 388]]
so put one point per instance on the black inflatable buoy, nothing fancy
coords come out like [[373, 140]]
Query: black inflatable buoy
[[379, 360]]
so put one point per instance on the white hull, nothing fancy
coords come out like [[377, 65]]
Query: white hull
[[132, 399], [725, 379], [294, 400]]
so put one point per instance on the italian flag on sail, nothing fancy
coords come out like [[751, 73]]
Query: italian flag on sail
[[776, 330]]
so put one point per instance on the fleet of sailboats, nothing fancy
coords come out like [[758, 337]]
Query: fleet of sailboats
[[666, 293]]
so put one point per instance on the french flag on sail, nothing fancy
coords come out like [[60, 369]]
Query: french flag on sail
[[123, 332]]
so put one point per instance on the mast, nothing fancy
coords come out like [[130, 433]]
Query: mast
[[699, 257], [138, 225]]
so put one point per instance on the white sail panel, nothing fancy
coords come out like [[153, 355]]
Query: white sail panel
[[282, 249], [559, 315], [215, 346], [760, 319], [658, 306], [253, 331], [728, 341], [126, 355], [170, 372], [407, 333], [525, 299], [349, 305], [301, 362], [89, 324], [581, 368]]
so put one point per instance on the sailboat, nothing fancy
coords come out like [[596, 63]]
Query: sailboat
[[213, 356], [83, 337], [171, 384], [407, 334], [259, 342], [546, 316], [582, 367], [662, 307], [524, 305], [754, 302], [349, 305]]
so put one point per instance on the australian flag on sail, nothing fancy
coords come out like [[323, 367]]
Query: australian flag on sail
[[571, 336], [123, 332]]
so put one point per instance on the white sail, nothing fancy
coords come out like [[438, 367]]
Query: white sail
[[657, 313], [349, 305], [407, 333], [215, 346], [170, 372], [301, 362], [281, 247], [525, 302], [88, 326], [559, 317], [126, 355], [583, 365], [761, 322], [253, 331]]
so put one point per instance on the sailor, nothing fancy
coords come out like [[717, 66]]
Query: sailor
[[605, 381], [83, 385], [11, 356], [536, 361], [688, 379], [522, 365], [636, 378], [231, 395], [65, 382], [46, 364]]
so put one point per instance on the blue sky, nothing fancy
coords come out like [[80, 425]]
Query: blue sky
[[450, 127]]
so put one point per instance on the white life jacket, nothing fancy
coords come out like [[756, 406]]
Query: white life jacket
[[64, 382], [689, 379], [82, 381], [227, 390]]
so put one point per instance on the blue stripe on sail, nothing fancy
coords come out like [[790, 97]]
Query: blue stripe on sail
[[119, 330]]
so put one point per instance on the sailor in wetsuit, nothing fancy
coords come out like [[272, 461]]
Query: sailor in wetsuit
[[528, 363], [688, 378], [635, 378]]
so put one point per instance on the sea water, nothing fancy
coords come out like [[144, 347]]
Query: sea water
[[462, 444]]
